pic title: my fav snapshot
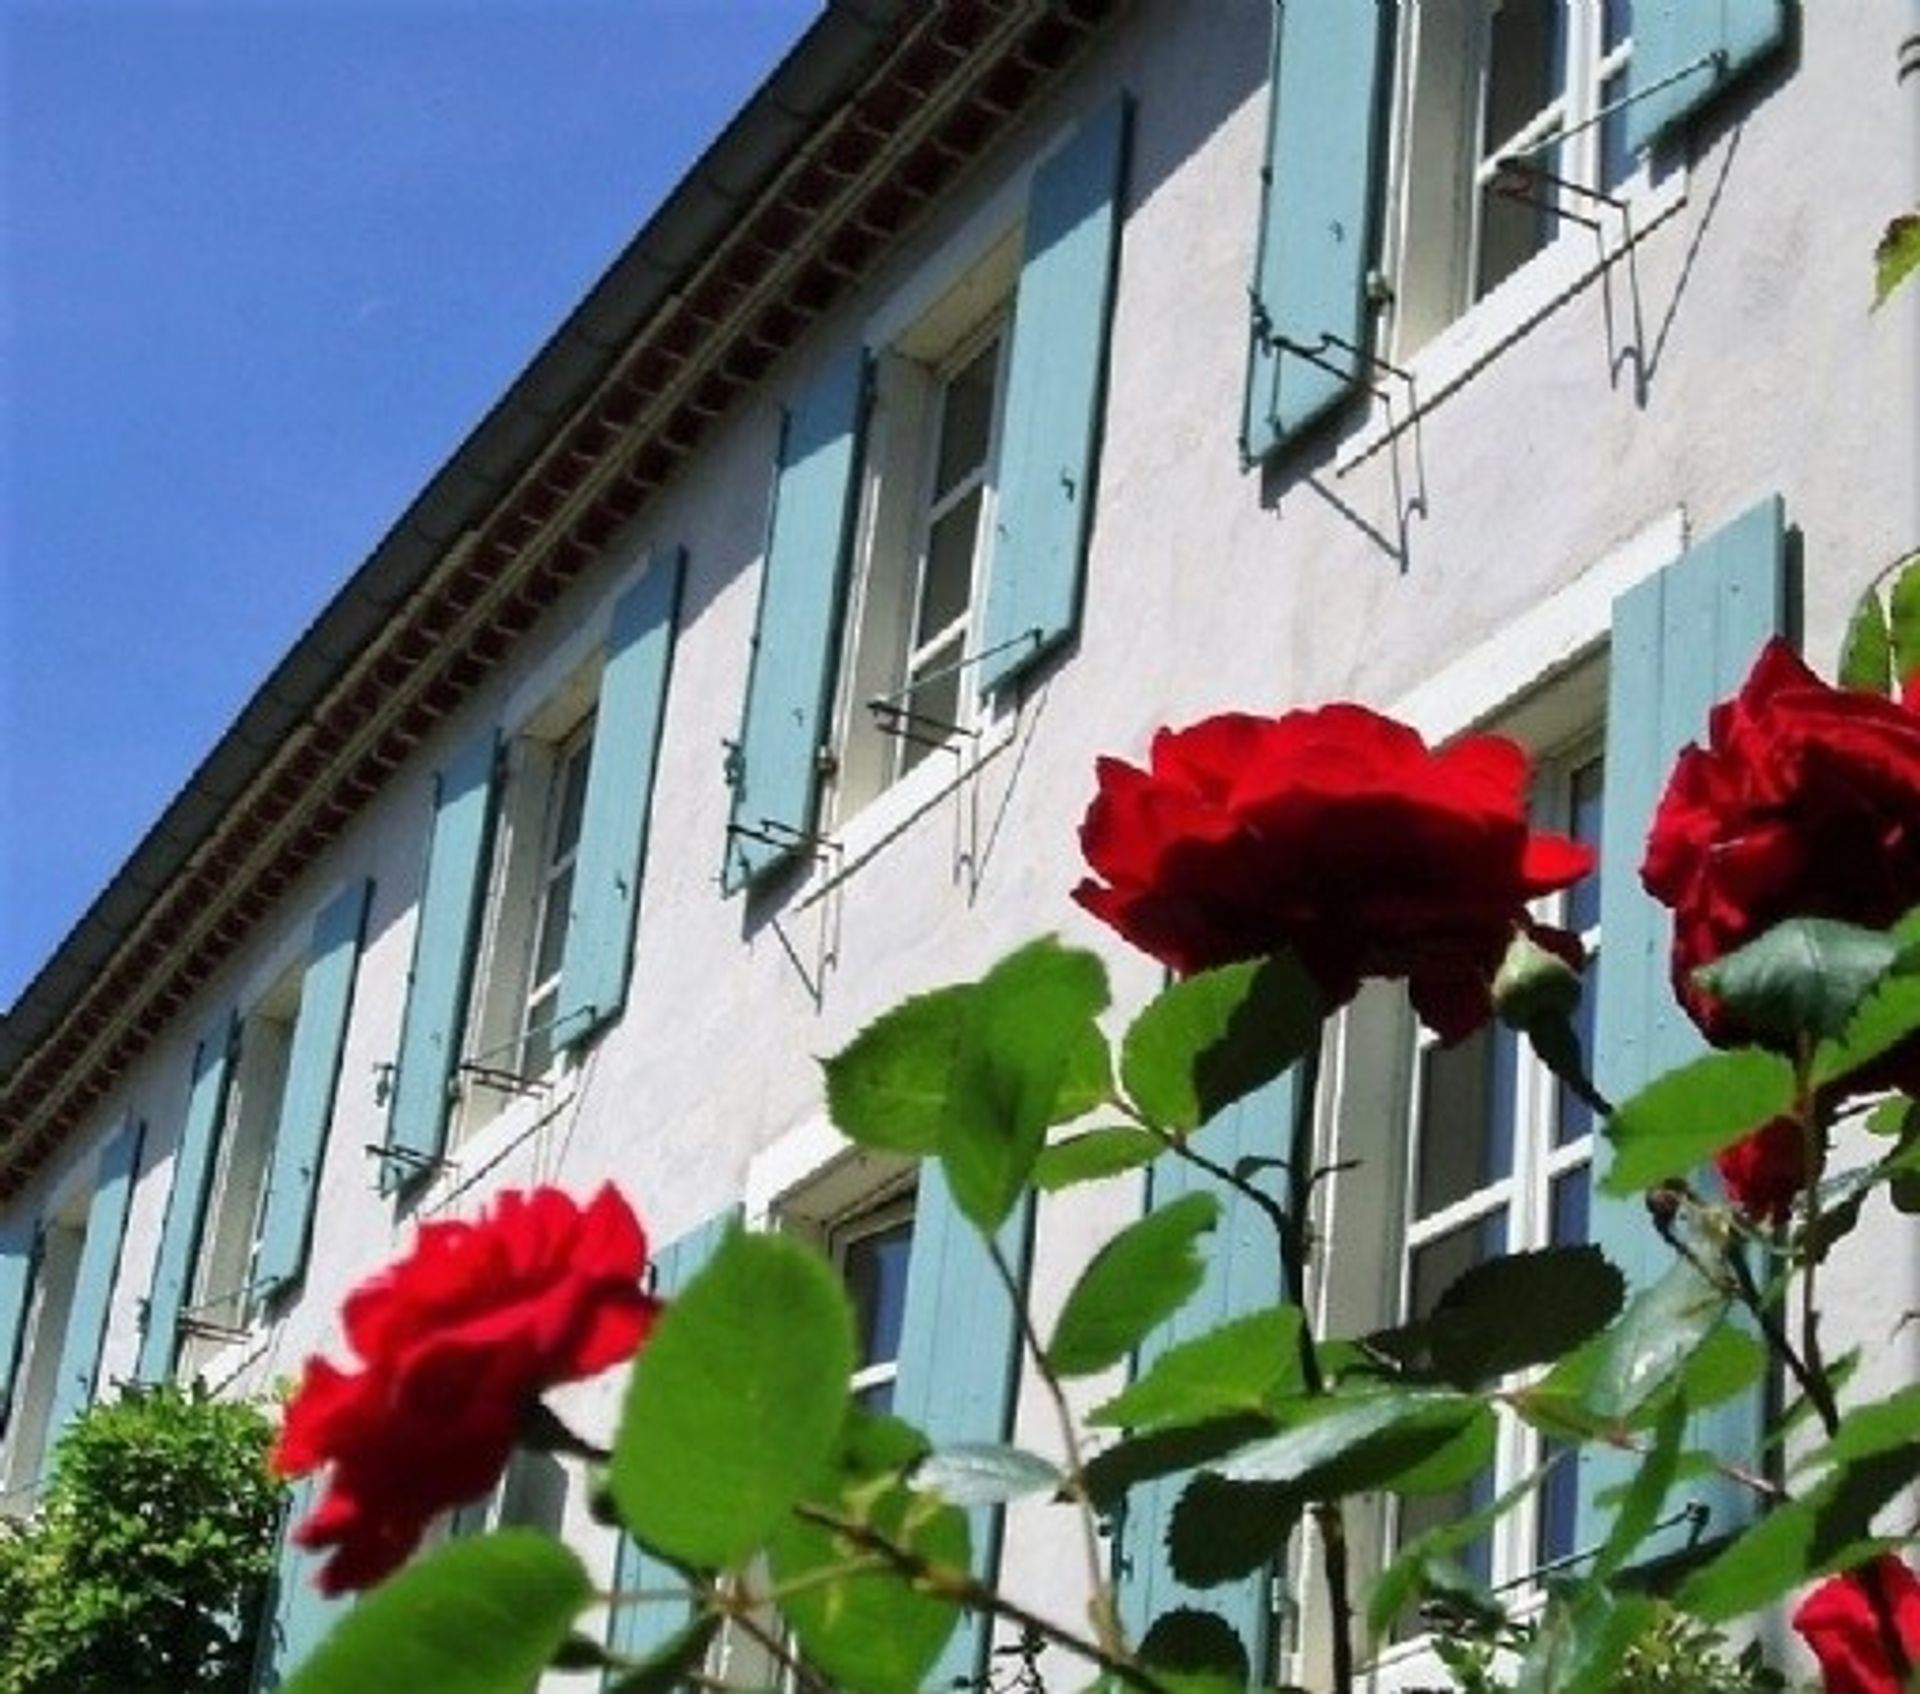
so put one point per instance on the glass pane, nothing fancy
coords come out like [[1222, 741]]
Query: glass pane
[[1569, 1203], [536, 1050], [1435, 1511], [1466, 1118], [948, 584], [875, 1397], [1516, 221], [1435, 1267], [1586, 797], [875, 1267], [966, 419], [1616, 158], [572, 801], [553, 928], [1616, 23], [1573, 1117], [935, 703], [1559, 1506], [1526, 53]]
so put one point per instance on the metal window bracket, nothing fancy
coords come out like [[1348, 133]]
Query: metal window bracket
[[501, 1080], [411, 1162]]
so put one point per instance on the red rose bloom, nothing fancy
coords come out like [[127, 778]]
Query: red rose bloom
[[1837, 1621], [1765, 1173], [458, 1341], [1805, 802], [1337, 833]]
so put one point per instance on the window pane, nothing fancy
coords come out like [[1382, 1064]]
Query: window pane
[[1559, 1506], [1616, 158], [1616, 22], [1525, 55], [1573, 1117], [572, 799], [1570, 1191], [1435, 1511], [1586, 798], [966, 420], [1435, 1267], [875, 1267], [1466, 1118], [949, 571], [935, 703], [553, 928], [1516, 221]]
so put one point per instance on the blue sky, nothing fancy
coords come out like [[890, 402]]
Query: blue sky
[[264, 266]]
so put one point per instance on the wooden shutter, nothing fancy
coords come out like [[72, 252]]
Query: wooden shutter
[[1327, 97], [19, 1257], [186, 1202], [313, 1075], [637, 1630], [1681, 641], [94, 1279], [450, 900], [298, 1615], [1243, 1276], [1056, 391], [959, 1357], [1686, 51], [775, 769], [613, 830]]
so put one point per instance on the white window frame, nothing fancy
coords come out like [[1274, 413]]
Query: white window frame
[[883, 1216]]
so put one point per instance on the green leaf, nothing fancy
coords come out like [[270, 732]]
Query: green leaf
[[517, 1591], [888, 1087], [1886, 1018], [1087, 1083], [1643, 1354], [856, 1621], [1242, 1366], [1897, 255], [1138, 1279], [1517, 1310], [1217, 1036], [665, 1669], [1806, 976], [1344, 1446], [1024, 1038], [1877, 1427], [1110, 1475], [1866, 659], [734, 1402], [1903, 617], [985, 1474], [1639, 1506], [1188, 1639], [1827, 1530], [1428, 1556], [1580, 1640], [1689, 1114], [1726, 1362], [1094, 1154], [1220, 1531]]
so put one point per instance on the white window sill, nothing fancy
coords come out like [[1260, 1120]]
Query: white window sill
[[1536, 290]]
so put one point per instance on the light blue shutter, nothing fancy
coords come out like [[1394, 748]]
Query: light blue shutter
[[1056, 389], [93, 1281], [19, 1256], [186, 1202], [613, 828], [1326, 101], [298, 1614], [959, 1353], [313, 1075], [1681, 641], [1243, 1276], [1686, 51], [636, 1630], [776, 766], [450, 900]]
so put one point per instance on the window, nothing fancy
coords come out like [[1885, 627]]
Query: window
[[1498, 1161], [559, 845], [226, 1293], [926, 538], [1504, 135], [29, 1414], [872, 1251]]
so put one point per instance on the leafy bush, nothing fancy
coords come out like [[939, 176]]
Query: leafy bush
[[144, 1569]]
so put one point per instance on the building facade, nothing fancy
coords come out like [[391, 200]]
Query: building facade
[[1010, 378]]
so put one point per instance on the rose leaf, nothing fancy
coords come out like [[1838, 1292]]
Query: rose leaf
[[1897, 255], [985, 1474], [1217, 1036], [888, 1087], [1345, 1446], [1094, 1154], [1190, 1643], [1656, 1335], [518, 1591], [1903, 617], [1807, 976], [1137, 1280], [1578, 1643], [1220, 1531], [1866, 656], [1689, 1114], [665, 1670], [1240, 1367], [734, 1402]]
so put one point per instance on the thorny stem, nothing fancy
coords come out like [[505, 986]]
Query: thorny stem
[[1100, 1607], [967, 1590]]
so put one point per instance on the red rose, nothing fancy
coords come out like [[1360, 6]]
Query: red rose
[[1764, 1174], [1337, 833], [458, 1341], [1804, 803], [1837, 1621]]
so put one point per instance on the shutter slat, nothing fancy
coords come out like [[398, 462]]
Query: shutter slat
[[93, 1281], [313, 1076], [298, 1614], [450, 900], [1243, 1276], [19, 1242], [959, 1353], [613, 830], [797, 636], [1686, 51], [1056, 386], [636, 1630], [1322, 178], [186, 1203], [1681, 641]]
